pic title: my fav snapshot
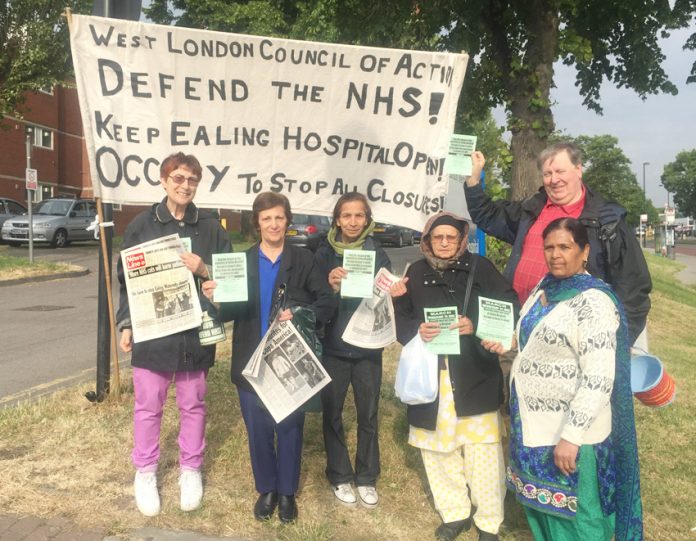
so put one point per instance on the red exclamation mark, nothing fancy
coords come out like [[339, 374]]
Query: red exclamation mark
[[435, 104]]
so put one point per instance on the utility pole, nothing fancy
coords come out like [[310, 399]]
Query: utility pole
[[130, 10], [645, 207], [29, 139]]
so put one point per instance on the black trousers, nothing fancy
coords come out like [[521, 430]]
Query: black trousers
[[365, 375]]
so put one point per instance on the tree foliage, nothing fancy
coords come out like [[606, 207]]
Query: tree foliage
[[679, 177], [512, 46], [515, 44], [685, 15], [34, 47]]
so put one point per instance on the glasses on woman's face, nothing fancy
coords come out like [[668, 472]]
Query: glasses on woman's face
[[180, 179], [451, 239]]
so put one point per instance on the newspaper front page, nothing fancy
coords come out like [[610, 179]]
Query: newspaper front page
[[162, 293], [372, 326], [284, 371]]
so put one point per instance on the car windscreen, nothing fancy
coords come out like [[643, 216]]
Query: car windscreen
[[52, 208]]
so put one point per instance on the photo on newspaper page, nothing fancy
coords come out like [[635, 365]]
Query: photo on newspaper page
[[284, 371], [162, 295], [372, 325]]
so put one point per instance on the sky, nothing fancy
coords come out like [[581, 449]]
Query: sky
[[653, 131]]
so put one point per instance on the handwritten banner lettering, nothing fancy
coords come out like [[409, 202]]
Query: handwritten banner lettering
[[309, 120]]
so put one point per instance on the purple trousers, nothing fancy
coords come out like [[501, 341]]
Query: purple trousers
[[150, 395]]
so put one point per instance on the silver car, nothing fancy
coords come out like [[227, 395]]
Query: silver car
[[56, 221], [9, 208]]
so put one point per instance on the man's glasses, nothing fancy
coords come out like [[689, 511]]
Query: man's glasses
[[179, 179]]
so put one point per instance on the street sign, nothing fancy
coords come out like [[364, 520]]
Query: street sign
[[643, 217], [32, 179], [669, 215]]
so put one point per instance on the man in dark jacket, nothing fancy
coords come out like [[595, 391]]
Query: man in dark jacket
[[615, 255]]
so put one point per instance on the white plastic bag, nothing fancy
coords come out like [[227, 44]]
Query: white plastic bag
[[417, 374]]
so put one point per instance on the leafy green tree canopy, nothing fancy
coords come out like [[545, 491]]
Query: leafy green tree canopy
[[34, 47], [679, 177], [685, 15], [513, 46]]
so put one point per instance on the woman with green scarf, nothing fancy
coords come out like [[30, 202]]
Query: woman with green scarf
[[573, 454], [351, 228]]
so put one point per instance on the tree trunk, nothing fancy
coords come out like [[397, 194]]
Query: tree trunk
[[529, 87], [525, 146]]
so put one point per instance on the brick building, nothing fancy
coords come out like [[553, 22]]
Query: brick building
[[59, 153]]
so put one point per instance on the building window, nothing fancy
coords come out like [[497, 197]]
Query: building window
[[42, 137], [48, 89]]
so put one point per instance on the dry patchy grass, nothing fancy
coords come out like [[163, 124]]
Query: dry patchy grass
[[64, 456], [13, 268]]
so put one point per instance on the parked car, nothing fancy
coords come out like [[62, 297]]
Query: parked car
[[306, 229], [416, 235], [393, 234], [56, 221], [9, 208]]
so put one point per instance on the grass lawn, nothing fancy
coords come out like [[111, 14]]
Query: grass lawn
[[64, 456], [12, 268]]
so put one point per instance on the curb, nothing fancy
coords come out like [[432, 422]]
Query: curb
[[45, 277]]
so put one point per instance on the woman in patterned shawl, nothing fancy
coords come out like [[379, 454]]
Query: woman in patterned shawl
[[573, 456]]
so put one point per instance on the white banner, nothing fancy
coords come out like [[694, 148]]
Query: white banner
[[310, 120]]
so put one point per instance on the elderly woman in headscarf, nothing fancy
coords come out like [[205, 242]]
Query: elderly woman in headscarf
[[459, 434]]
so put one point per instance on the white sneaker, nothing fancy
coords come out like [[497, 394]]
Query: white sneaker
[[191, 486], [368, 497], [345, 494], [146, 496]]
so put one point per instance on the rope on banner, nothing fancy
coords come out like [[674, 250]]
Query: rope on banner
[[95, 226]]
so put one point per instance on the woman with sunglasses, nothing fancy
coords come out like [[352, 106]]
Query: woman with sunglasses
[[179, 358]]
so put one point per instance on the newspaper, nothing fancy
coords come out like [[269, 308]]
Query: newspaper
[[162, 294], [372, 325], [284, 371]]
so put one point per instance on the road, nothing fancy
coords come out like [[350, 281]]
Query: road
[[49, 329]]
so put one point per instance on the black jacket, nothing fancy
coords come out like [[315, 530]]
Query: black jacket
[[326, 259], [180, 351], [304, 286], [477, 381], [618, 260]]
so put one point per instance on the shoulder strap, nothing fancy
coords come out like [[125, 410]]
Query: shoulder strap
[[469, 284]]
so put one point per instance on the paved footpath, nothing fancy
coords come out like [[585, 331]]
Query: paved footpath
[[687, 275], [18, 528]]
